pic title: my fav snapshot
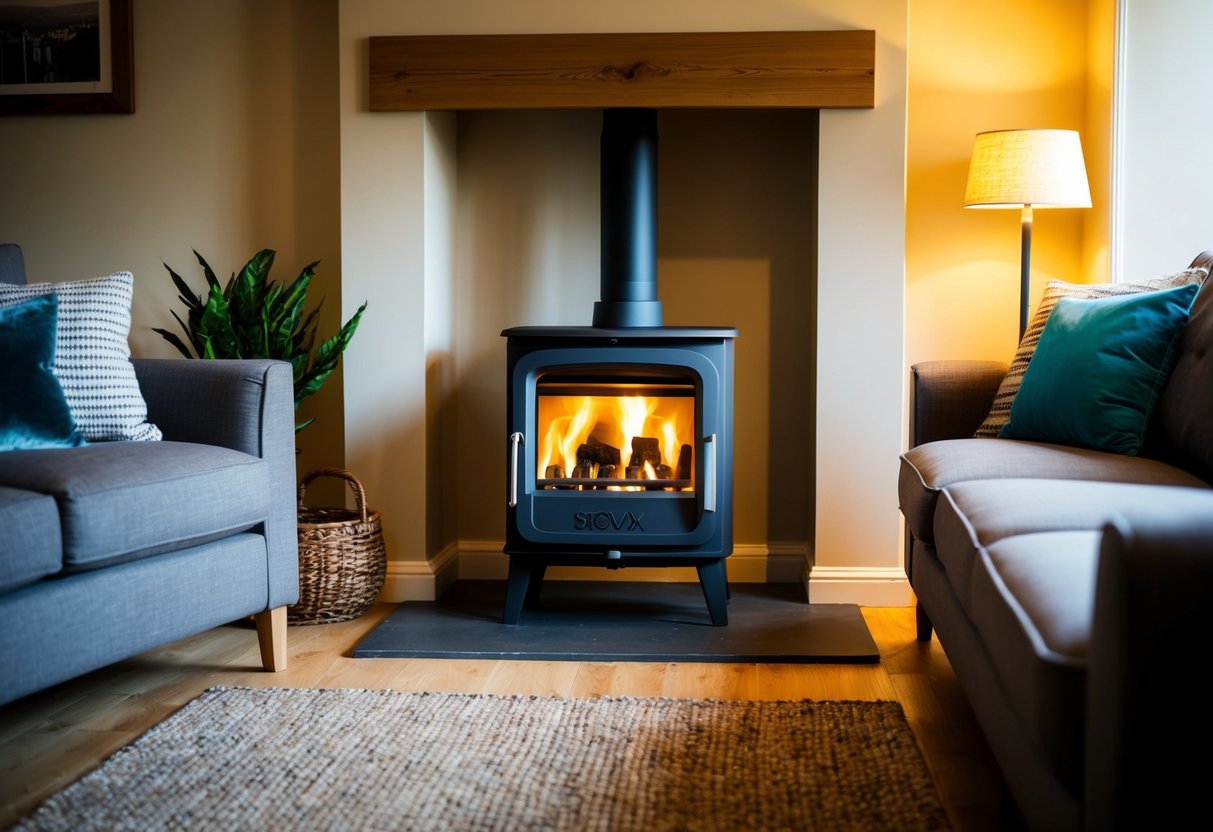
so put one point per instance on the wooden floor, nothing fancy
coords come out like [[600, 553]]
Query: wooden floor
[[49, 739]]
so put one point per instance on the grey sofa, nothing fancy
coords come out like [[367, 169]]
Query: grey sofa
[[1072, 591], [114, 548]]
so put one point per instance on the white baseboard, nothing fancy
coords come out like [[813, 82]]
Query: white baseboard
[[867, 586], [415, 580], [420, 580]]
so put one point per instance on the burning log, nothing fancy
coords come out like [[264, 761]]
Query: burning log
[[555, 472], [664, 472], [598, 452], [645, 449], [635, 472], [583, 471], [606, 472], [684, 463]]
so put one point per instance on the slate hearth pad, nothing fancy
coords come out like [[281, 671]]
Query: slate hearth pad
[[624, 621]]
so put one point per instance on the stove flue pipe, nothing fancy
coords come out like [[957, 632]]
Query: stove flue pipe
[[628, 186]]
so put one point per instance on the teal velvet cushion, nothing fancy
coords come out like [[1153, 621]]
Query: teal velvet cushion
[[33, 410], [1099, 369]]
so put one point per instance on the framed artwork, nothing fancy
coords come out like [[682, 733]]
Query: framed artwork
[[66, 56]]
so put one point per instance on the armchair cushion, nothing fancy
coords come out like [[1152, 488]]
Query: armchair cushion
[[92, 355], [120, 501], [33, 409], [29, 527]]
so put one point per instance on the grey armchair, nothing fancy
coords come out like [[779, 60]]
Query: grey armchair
[[114, 548]]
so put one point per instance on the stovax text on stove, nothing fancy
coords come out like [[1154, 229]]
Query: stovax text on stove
[[603, 520]]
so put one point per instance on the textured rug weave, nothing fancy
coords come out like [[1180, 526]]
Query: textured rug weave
[[288, 759]]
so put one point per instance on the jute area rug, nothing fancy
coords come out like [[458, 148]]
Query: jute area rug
[[287, 759]]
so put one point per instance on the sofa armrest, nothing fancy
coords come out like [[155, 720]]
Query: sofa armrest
[[1153, 601], [950, 399], [247, 405]]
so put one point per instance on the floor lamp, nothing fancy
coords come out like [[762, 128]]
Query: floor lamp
[[1027, 169]]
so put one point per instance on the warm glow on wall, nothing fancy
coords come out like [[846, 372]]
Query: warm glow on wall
[[977, 67]]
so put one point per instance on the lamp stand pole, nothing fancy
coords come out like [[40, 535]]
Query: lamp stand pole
[[1025, 268]]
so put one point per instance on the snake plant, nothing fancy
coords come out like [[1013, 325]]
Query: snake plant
[[252, 316]]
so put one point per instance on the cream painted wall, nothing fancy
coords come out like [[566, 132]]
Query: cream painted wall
[[526, 255], [989, 66], [1165, 217], [385, 228], [232, 148]]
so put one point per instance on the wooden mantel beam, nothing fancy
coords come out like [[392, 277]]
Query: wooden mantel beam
[[593, 71]]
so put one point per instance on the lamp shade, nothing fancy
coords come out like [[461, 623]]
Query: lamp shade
[[1041, 168]]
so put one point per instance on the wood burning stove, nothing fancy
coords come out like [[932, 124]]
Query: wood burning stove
[[620, 434]]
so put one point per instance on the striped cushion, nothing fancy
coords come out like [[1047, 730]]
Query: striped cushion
[[1000, 411], [92, 356]]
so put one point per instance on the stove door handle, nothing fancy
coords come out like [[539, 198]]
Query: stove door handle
[[709, 472], [516, 441]]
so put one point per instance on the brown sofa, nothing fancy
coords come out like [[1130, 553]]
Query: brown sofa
[[1072, 591]]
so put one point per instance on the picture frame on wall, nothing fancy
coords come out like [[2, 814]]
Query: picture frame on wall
[[62, 57]]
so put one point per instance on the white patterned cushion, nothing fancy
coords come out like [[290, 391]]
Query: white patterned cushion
[[1000, 411], [92, 355]]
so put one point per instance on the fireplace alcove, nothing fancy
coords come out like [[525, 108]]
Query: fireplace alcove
[[707, 150], [736, 212]]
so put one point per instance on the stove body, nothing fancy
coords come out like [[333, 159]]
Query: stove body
[[579, 491]]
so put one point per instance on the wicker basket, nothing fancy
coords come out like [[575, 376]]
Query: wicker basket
[[342, 561]]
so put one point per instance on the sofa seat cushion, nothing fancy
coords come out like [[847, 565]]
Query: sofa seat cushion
[[977, 514], [929, 468], [32, 547], [120, 501], [1032, 600]]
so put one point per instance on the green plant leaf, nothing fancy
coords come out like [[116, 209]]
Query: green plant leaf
[[327, 357], [187, 295], [172, 338], [284, 318], [247, 302], [190, 333], [286, 325], [216, 328], [305, 336], [207, 271]]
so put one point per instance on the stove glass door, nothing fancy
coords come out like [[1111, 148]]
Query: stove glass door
[[617, 431]]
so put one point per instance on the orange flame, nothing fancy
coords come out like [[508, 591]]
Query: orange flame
[[566, 422]]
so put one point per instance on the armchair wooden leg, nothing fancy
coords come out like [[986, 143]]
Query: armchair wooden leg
[[271, 637]]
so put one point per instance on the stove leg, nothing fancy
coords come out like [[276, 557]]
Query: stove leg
[[519, 586], [713, 579], [532, 592]]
